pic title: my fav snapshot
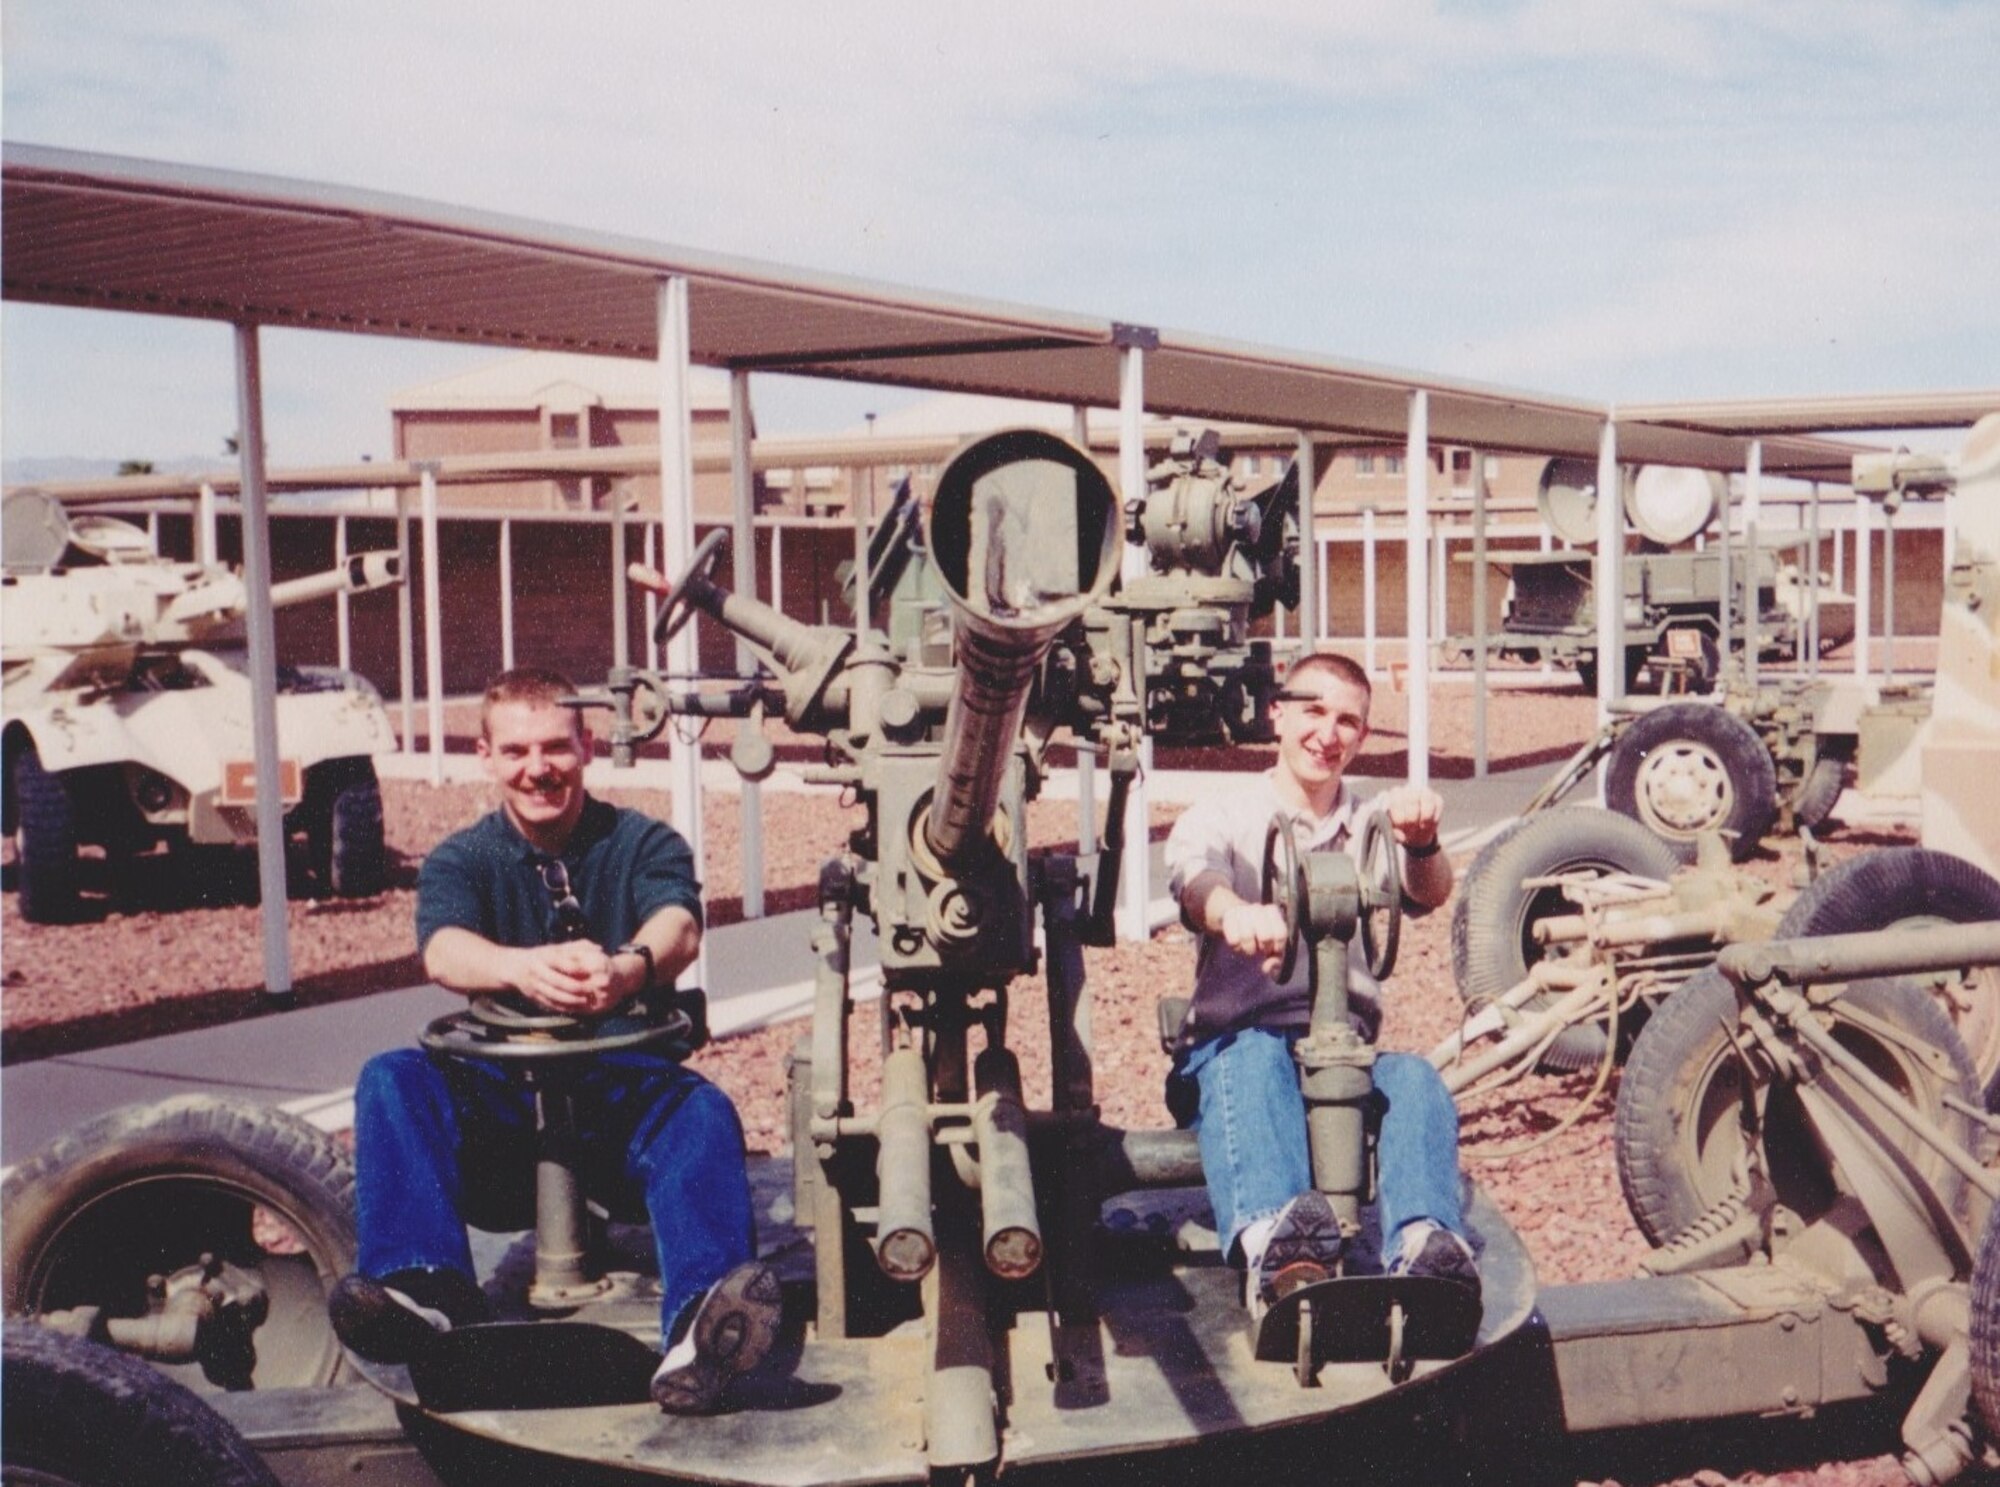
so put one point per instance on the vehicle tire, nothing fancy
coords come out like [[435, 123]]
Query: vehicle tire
[[1911, 887], [1677, 1136], [85, 1415], [1492, 923], [1985, 1327], [344, 828], [1824, 782], [46, 864], [148, 1189], [1690, 767]]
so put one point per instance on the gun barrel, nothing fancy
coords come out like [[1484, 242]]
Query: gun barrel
[[1013, 1232], [1024, 530], [361, 572], [906, 1245]]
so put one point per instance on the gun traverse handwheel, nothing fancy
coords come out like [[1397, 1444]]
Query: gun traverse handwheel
[[487, 1029], [1284, 884], [1381, 873], [679, 608]]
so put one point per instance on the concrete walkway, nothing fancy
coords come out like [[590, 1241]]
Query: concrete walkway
[[760, 972]]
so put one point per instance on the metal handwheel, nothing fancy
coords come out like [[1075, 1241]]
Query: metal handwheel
[[679, 608], [1284, 884], [487, 1029], [1381, 872]]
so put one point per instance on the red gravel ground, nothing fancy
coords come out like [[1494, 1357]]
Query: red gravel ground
[[136, 974]]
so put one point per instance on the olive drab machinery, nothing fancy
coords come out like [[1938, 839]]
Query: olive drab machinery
[[127, 702]]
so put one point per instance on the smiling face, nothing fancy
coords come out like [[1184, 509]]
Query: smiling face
[[535, 752], [1322, 721]]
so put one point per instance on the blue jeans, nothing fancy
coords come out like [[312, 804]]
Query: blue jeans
[[1251, 1126], [439, 1143]]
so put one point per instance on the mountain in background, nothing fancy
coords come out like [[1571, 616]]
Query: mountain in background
[[32, 470]]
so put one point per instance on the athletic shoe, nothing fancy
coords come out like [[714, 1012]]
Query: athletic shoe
[[1303, 1249], [731, 1330], [381, 1323], [1430, 1249]]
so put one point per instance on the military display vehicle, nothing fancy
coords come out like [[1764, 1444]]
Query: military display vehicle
[[127, 705], [1672, 599], [1777, 756]]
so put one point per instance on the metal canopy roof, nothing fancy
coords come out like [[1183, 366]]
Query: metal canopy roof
[[115, 233]]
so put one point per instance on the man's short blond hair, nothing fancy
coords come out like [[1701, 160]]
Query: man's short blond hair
[[1335, 664], [538, 686]]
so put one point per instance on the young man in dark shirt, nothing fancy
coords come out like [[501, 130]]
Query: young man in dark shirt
[[561, 903]]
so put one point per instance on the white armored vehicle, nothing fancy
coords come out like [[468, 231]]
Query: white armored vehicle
[[128, 717]]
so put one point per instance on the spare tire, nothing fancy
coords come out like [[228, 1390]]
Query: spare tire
[[1492, 923], [1899, 887], [1678, 1136], [89, 1416], [150, 1189], [1691, 767]]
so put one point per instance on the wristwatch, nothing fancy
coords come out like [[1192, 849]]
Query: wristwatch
[[633, 947]]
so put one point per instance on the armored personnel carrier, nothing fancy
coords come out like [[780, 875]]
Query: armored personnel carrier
[[127, 701]]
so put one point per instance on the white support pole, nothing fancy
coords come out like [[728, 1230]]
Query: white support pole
[[1086, 759], [433, 622], [1610, 580], [261, 627], [1864, 584], [677, 525], [507, 594], [406, 624], [1753, 558], [743, 494], [1478, 614], [1416, 565], [1811, 639], [649, 554], [207, 551], [1312, 625], [1135, 885], [343, 617], [1369, 629], [1321, 556], [621, 599]]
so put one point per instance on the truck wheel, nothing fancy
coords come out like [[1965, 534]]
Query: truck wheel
[[46, 863], [149, 1189], [1690, 767], [1910, 888], [1678, 1134], [1985, 1327], [344, 828], [83, 1415], [1824, 782], [1493, 922]]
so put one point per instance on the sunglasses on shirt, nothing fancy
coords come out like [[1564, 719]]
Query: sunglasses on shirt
[[566, 921]]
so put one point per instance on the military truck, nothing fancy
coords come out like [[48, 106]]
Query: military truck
[[128, 713], [1673, 610]]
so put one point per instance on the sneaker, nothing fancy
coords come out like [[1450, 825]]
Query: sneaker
[[1428, 1248], [1303, 1248], [380, 1323], [732, 1328]]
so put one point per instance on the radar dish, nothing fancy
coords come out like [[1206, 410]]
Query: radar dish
[[34, 530], [1568, 499], [1671, 504]]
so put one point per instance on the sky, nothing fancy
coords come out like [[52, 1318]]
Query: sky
[[1623, 200]]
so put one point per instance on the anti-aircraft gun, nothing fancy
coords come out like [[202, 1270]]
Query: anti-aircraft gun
[[127, 703], [1222, 552]]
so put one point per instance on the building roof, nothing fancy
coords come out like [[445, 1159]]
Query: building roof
[[564, 381], [117, 233]]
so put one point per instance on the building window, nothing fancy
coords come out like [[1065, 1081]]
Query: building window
[[1364, 464], [1461, 467], [562, 431], [1392, 464]]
